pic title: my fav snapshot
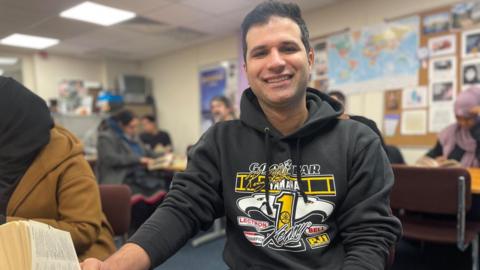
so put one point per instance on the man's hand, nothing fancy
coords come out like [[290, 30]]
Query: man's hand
[[94, 264], [146, 161], [129, 257]]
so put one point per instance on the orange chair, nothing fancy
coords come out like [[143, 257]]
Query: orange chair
[[432, 205], [117, 208]]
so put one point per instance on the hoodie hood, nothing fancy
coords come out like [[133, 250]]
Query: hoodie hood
[[66, 146], [322, 110]]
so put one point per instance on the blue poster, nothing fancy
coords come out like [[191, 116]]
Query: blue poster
[[213, 82]]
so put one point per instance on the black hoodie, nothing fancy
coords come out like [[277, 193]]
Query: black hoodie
[[335, 214]]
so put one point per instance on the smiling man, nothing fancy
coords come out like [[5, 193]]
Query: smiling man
[[300, 188]]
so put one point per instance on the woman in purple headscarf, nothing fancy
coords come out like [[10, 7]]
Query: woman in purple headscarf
[[459, 141]]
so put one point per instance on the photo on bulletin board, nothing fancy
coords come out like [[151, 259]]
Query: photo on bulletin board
[[443, 45], [471, 43], [393, 100], [440, 117], [465, 15], [470, 73], [320, 66], [414, 97], [436, 23], [414, 122], [442, 92], [443, 68]]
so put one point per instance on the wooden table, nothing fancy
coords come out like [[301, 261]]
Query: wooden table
[[475, 178]]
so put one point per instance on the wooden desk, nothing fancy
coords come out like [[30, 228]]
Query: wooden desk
[[172, 163], [475, 178]]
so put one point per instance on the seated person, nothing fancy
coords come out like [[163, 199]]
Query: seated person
[[157, 140], [459, 141], [393, 153], [122, 158], [221, 109], [44, 176]]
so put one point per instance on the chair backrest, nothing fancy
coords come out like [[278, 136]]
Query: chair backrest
[[430, 190], [116, 206]]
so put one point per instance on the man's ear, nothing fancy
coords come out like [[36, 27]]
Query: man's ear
[[311, 57]]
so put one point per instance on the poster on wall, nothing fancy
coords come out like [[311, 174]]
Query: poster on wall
[[436, 23], [390, 123], [375, 58], [442, 92], [320, 65], [73, 97], [440, 117], [470, 73], [443, 45], [471, 43], [216, 80], [443, 68], [414, 122], [465, 14], [414, 97]]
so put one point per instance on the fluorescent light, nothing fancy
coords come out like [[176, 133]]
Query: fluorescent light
[[1, 72], [99, 14], [8, 61], [27, 41]]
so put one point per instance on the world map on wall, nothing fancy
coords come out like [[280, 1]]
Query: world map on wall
[[387, 50]]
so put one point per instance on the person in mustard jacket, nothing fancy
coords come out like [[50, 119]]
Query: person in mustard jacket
[[44, 175]]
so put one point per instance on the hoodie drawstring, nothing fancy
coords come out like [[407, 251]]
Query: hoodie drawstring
[[267, 170], [298, 162]]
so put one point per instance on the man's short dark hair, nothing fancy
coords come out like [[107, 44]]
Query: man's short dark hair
[[262, 13], [149, 117], [338, 94], [124, 117], [222, 99]]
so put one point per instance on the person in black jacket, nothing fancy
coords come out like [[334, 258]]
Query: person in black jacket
[[300, 188], [157, 140]]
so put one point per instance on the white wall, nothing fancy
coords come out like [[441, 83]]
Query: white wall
[[175, 76], [51, 70], [176, 87]]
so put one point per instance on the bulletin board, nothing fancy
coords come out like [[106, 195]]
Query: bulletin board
[[424, 80], [442, 37]]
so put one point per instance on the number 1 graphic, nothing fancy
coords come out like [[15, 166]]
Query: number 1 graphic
[[284, 204]]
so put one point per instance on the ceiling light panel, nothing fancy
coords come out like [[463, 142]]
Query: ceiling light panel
[[98, 14], [7, 61], [27, 41]]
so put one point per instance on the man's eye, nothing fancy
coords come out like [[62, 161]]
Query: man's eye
[[259, 54], [290, 49]]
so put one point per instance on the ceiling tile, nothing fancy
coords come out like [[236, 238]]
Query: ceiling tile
[[217, 7], [137, 6], [52, 7], [60, 28], [177, 14]]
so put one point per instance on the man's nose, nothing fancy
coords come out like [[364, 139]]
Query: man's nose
[[275, 61]]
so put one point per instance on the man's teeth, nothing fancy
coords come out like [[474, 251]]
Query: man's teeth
[[279, 79]]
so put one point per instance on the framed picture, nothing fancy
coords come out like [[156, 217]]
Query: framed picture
[[414, 97], [443, 45], [436, 23], [442, 92], [471, 43], [443, 68], [465, 15], [470, 73]]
